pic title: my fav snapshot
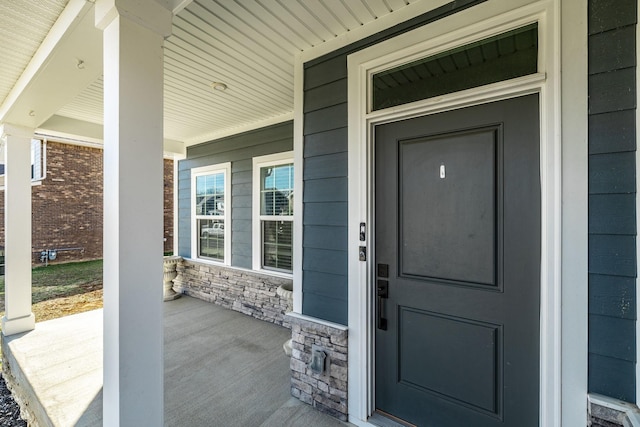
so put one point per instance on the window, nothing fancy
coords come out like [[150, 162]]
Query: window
[[210, 232], [38, 162], [273, 212], [503, 57]]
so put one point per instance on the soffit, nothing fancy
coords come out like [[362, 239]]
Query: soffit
[[249, 45], [24, 24]]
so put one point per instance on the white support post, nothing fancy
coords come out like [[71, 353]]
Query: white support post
[[17, 219], [134, 32]]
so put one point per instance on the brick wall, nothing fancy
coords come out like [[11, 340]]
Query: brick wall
[[168, 206], [246, 291], [67, 206]]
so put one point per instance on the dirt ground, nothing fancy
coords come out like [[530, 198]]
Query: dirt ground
[[64, 306]]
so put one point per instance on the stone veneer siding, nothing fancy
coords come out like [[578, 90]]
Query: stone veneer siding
[[608, 412], [246, 291], [327, 392]]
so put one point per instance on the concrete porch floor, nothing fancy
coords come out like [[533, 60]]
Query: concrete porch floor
[[222, 368]]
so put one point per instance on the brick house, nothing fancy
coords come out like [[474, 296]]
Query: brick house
[[67, 203]]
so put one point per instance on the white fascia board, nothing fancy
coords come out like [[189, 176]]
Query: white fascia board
[[80, 132], [66, 127], [174, 149]]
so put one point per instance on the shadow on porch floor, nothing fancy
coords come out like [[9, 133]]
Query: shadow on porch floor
[[222, 368]]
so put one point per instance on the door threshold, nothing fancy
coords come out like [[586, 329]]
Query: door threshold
[[382, 419]]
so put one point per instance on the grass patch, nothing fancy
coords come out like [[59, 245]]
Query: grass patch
[[62, 280]]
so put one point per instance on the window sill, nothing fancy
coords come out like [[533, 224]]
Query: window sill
[[273, 273], [209, 261], [250, 270]]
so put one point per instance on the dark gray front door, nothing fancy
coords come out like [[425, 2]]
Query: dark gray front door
[[458, 251]]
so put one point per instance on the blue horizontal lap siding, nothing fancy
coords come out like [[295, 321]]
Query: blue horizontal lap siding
[[325, 285], [239, 150], [612, 198]]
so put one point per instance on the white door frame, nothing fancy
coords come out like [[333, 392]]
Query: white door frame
[[477, 23]]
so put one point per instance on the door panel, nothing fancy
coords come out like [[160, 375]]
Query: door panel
[[457, 242], [458, 224], [466, 353]]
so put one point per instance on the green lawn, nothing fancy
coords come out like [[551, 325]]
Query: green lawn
[[60, 280]]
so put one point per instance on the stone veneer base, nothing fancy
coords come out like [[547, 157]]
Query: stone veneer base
[[327, 391], [247, 291], [608, 412]]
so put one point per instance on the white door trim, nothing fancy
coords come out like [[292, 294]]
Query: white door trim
[[473, 24]]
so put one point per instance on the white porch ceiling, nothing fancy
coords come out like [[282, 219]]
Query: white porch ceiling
[[249, 45], [23, 27]]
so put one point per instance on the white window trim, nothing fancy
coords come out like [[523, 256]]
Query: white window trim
[[256, 232], [298, 173], [35, 181], [475, 24], [207, 170]]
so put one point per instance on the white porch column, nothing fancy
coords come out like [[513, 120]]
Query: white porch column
[[17, 229], [134, 31]]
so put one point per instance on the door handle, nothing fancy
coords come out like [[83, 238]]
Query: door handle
[[382, 291]]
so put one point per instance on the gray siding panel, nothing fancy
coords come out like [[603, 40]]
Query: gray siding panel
[[612, 377], [326, 96], [325, 119], [327, 308], [612, 296], [612, 200], [329, 142], [612, 255], [324, 237], [242, 237], [602, 342], [612, 214], [325, 261], [242, 201], [612, 132], [610, 14], [242, 177], [325, 72], [612, 91], [612, 173], [329, 166], [325, 284], [239, 150], [241, 225], [242, 261], [334, 213], [326, 190], [612, 50], [281, 132], [241, 213], [241, 189]]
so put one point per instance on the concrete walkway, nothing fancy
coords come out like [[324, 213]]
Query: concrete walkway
[[222, 368]]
